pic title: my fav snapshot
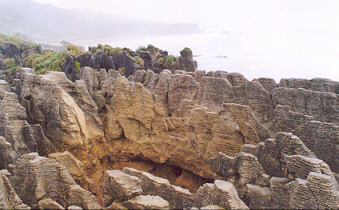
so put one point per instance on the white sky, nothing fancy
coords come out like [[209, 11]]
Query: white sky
[[226, 15]]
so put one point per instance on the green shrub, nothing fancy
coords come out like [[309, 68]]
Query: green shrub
[[139, 61]]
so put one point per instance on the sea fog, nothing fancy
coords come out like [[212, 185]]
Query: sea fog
[[297, 54]]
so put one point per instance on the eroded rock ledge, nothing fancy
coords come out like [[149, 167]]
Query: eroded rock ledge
[[191, 128]]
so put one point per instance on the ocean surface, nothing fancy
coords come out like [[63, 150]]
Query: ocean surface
[[298, 54]]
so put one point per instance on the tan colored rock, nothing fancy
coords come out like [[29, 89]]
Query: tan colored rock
[[73, 165]]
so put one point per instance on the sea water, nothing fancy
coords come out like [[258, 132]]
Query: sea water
[[297, 54]]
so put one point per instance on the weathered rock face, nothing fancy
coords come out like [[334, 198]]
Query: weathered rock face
[[169, 125], [322, 139], [56, 183], [9, 199], [186, 61], [308, 102]]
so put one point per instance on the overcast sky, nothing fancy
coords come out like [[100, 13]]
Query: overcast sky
[[222, 14]]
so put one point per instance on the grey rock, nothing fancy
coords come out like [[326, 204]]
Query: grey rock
[[186, 61], [308, 102], [260, 197], [140, 76], [119, 186], [14, 126], [286, 120], [199, 74], [220, 193], [213, 92], [316, 84], [271, 153], [113, 74], [48, 203], [147, 202], [9, 199], [131, 78], [268, 83], [322, 139], [301, 166], [280, 194], [80, 197], [152, 185], [249, 148]]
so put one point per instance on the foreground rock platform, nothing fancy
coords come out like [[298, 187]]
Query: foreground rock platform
[[178, 140]]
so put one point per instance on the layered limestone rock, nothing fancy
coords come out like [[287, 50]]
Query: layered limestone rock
[[316, 84], [9, 199], [133, 187], [321, 105], [170, 125], [322, 139], [35, 178]]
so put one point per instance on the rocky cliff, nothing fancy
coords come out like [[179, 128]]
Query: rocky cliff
[[226, 141]]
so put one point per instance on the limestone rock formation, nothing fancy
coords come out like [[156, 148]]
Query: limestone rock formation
[[308, 102], [322, 139], [271, 153], [119, 187], [9, 199], [147, 202], [56, 183], [316, 84]]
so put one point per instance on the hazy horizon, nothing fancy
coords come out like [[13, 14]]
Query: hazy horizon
[[241, 15]]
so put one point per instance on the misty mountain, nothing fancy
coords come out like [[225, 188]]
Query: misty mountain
[[58, 23]]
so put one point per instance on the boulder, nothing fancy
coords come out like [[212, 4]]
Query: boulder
[[299, 166], [84, 60], [213, 92], [119, 186], [152, 185], [186, 61], [147, 202]]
